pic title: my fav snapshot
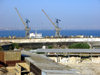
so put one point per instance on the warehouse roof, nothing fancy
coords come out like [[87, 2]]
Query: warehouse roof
[[45, 64], [70, 50]]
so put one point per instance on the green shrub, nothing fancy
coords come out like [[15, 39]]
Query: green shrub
[[40, 53], [79, 46], [15, 45], [50, 47], [1, 48]]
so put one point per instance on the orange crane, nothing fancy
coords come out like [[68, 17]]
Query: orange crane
[[27, 29], [57, 33]]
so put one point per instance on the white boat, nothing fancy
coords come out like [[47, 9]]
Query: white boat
[[35, 35]]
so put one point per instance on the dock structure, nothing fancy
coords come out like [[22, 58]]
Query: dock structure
[[40, 42], [42, 65], [50, 40]]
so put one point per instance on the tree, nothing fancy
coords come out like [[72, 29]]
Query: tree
[[15, 45], [1, 48], [50, 47], [79, 46]]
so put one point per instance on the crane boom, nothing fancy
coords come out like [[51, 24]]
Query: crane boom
[[20, 17], [27, 29], [57, 33], [49, 18]]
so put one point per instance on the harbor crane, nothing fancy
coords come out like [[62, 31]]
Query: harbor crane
[[57, 33], [26, 24], [57, 22]]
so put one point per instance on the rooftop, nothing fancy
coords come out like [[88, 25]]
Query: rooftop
[[46, 64], [70, 50]]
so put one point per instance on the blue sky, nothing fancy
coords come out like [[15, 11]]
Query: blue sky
[[74, 14]]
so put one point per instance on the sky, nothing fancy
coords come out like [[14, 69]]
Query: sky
[[74, 14]]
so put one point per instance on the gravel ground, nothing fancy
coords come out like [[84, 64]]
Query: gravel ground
[[4, 71], [90, 66], [86, 68]]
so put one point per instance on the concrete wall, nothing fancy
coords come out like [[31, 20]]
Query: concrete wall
[[18, 68], [59, 72], [12, 55], [9, 58], [25, 65]]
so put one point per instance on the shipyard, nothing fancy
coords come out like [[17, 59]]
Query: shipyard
[[49, 37]]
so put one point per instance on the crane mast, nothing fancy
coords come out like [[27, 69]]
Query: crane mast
[[27, 29], [57, 33]]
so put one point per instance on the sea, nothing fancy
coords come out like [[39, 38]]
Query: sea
[[21, 33]]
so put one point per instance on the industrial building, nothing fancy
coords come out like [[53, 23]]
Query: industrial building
[[39, 64], [42, 65], [9, 58], [70, 52], [93, 55]]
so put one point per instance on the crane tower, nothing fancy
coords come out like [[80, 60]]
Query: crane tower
[[57, 33], [26, 24]]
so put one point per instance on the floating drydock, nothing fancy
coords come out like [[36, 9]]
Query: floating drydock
[[51, 40]]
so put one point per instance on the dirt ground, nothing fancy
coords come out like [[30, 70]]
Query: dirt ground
[[90, 66], [7, 71], [86, 68]]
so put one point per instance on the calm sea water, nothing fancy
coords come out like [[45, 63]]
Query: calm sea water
[[21, 33]]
